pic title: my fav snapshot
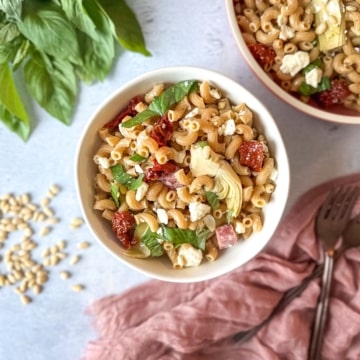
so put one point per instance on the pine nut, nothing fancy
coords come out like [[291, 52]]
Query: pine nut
[[76, 222], [83, 245], [25, 299], [75, 259], [64, 275], [77, 288], [45, 230]]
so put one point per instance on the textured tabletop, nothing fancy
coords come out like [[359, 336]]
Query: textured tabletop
[[54, 325]]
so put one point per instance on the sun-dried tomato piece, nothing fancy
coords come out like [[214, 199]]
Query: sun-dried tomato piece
[[338, 92], [162, 131], [252, 154], [128, 111], [263, 54], [159, 170], [123, 225]]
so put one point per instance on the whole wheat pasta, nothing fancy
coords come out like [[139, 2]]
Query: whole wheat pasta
[[169, 175]]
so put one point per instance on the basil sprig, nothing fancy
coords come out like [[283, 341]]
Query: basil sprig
[[324, 84], [163, 102], [212, 199], [307, 90], [122, 177], [185, 236], [57, 45], [153, 242]]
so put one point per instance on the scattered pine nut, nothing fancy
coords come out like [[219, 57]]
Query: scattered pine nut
[[24, 273], [74, 259], [64, 275], [25, 299], [76, 223], [37, 289], [83, 245], [77, 288], [45, 230]]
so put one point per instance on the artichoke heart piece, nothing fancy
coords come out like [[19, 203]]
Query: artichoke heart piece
[[228, 186], [331, 14], [204, 161]]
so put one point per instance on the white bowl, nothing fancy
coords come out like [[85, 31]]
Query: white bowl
[[337, 114], [161, 268]]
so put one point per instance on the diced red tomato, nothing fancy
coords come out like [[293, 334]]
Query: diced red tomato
[[263, 54], [252, 154], [338, 92], [128, 111], [123, 225], [162, 131]]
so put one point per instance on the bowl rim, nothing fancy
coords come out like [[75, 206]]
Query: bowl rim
[[269, 83], [150, 75]]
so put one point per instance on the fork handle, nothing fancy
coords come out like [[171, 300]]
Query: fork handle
[[321, 310], [288, 297]]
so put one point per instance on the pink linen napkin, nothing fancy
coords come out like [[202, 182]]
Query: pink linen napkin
[[159, 320]]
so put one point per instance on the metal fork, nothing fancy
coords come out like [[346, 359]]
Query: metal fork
[[293, 293], [330, 222]]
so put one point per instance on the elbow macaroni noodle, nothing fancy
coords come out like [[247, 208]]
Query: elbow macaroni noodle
[[198, 118]]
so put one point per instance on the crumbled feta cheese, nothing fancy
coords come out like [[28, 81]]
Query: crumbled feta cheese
[[138, 169], [228, 128], [141, 191], [286, 32], [293, 63], [103, 162], [198, 210], [162, 216], [239, 227], [188, 256], [192, 113], [281, 20], [313, 77]]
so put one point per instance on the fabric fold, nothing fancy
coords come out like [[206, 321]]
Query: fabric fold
[[161, 320]]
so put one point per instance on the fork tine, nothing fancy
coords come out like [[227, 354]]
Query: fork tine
[[327, 204], [339, 200], [351, 196]]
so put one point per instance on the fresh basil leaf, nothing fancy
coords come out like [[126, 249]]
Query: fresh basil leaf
[[52, 83], [151, 241], [76, 12], [12, 111], [12, 8], [139, 118], [137, 158], [126, 26], [8, 32], [97, 55], [307, 90], [7, 52], [185, 236], [48, 28], [115, 194], [122, 177], [21, 53], [172, 95], [15, 124], [163, 102], [212, 199], [313, 65]]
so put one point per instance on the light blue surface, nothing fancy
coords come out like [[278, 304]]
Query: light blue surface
[[54, 326]]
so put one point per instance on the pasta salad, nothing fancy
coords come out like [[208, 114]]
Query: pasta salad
[[311, 48], [184, 173]]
